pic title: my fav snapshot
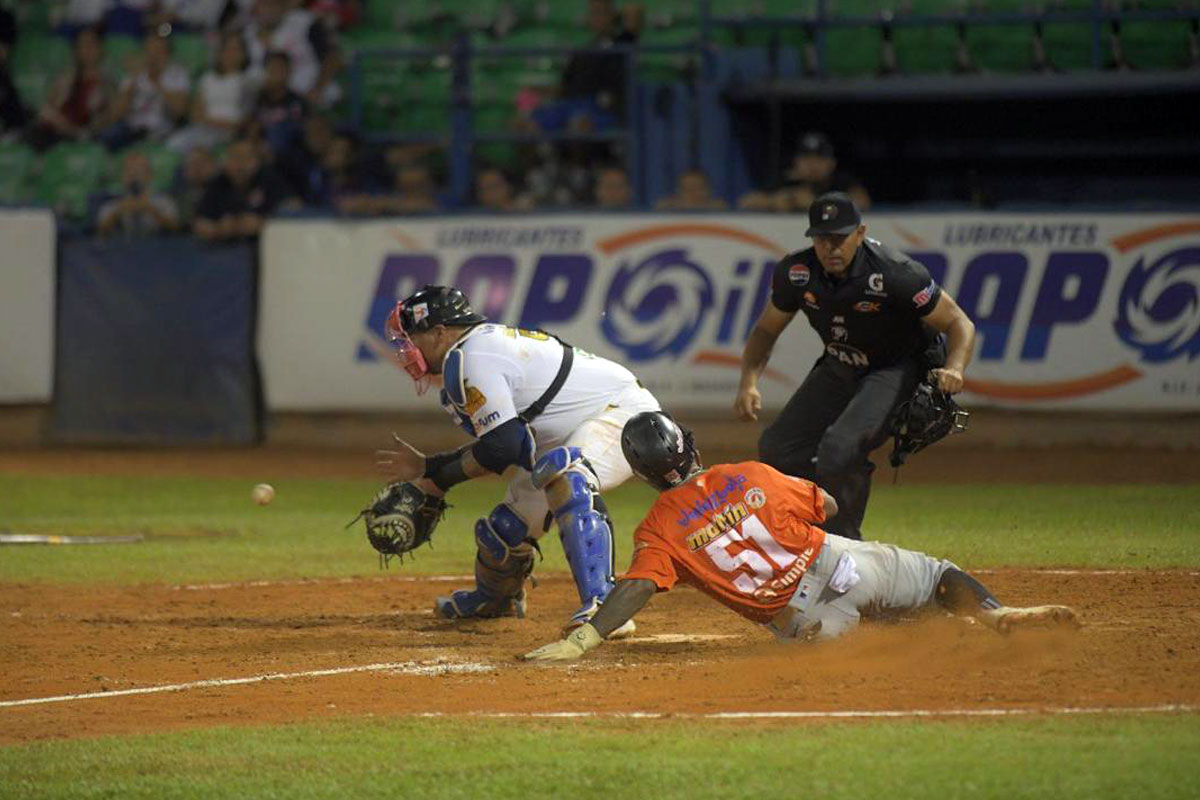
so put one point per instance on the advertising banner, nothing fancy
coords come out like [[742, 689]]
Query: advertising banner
[[1073, 311], [26, 305]]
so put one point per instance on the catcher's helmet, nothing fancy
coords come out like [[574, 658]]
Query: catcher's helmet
[[429, 306], [660, 451]]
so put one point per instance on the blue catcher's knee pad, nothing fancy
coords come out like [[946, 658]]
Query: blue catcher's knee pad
[[499, 532], [573, 495]]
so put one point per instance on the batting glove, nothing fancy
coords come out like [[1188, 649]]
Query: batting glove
[[580, 640]]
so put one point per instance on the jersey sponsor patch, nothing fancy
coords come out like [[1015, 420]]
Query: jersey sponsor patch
[[798, 274], [851, 356], [922, 297], [475, 400], [811, 300], [840, 334], [488, 420], [722, 521], [875, 282], [777, 586], [867, 307], [755, 497]]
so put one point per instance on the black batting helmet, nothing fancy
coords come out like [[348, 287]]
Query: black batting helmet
[[660, 451], [430, 306]]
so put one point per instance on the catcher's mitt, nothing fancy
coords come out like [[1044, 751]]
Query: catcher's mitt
[[400, 519], [929, 415]]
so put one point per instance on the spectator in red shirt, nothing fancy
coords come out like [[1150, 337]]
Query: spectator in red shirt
[[78, 103]]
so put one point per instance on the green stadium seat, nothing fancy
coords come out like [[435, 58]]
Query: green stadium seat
[[1155, 45], [925, 50], [500, 154], [1069, 45], [42, 53], [16, 167], [70, 173], [852, 52], [191, 51], [33, 86], [383, 15], [1001, 48], [122, 53]]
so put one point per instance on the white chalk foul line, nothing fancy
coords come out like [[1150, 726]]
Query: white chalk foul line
[[852, 714], [436, 667]]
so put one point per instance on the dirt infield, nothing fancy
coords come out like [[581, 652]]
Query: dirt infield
[[1138, 648]]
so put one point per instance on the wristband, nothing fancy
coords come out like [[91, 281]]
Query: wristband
[[446, 469]]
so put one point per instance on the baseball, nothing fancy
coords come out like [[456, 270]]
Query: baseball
[[263, 494]]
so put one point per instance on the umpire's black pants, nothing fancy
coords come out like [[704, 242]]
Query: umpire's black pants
[[829, 427]]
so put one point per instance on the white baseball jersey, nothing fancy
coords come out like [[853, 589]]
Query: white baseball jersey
[[504, 370]]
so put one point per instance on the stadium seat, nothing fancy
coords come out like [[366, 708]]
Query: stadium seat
[[41, 53], [16, 167], [191, 51], [122, 53], [70, 173]]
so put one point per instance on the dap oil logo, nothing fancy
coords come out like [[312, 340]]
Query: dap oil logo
[[1158, 311], [661, 296], [656, 306]]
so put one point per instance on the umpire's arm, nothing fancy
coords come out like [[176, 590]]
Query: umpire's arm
[[948, 318], [755, 357]]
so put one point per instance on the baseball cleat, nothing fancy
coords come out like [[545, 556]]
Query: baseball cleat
[[1005, 618], [588, 611], [473, 603]]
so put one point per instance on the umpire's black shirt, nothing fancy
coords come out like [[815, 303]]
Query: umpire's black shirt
[[871, 316]]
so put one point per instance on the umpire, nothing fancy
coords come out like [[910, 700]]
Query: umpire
[[879, 315]]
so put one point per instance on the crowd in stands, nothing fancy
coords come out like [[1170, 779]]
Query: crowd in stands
[[257, 131]]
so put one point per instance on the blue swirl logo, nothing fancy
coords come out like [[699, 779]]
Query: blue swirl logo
[[656, 306], [1158, 312]]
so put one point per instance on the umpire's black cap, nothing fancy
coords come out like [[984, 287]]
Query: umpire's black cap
[[833, 213]]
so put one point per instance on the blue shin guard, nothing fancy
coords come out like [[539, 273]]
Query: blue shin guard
[[583, 524], [504, 561]]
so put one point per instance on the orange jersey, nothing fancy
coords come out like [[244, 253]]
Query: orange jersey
[[742, 533]]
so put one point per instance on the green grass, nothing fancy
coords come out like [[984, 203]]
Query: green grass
[[1145, 757], [208, 530]]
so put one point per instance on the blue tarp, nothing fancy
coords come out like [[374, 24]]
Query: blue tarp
[[155, 343]]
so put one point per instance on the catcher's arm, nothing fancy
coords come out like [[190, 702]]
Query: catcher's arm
[[625, 600]]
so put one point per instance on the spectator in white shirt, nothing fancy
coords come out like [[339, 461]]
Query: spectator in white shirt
[[152, 100], [311, 48], [223, 100]]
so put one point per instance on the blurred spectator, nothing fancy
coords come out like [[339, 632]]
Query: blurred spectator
[[559, 179], [592, 93], [197, 169], [338, 15], [203, 15], [337, 175], [77, 105], [222, 101], [138, 211], [693, 193], [300, 164], [412, 193], [152, 100], [311, 47], [494, 191], [75, 15], [279, 111], [240, 197], [613, 191], [812, 172], [13, 113]]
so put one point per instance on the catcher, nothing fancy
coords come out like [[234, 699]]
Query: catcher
[[747, 536], [529, 401]]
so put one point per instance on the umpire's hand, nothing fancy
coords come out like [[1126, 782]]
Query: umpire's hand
[[949, 381], [748, 403]]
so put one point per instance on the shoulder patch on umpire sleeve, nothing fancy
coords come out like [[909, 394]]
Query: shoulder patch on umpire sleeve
[[452, 377]]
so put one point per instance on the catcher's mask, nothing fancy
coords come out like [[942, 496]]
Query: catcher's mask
[[660, 451], [926, 417], [422, 311]]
